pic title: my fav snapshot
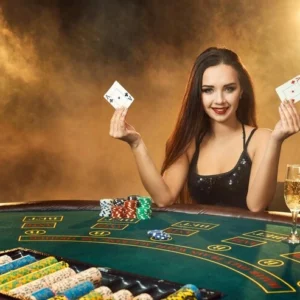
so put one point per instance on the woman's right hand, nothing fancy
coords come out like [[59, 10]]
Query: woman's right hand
[[120, 129]]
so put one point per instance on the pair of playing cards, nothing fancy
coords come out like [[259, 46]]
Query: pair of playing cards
[[118, 97], [290, 90]]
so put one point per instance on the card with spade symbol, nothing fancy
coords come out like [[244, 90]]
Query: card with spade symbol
[[118, 97]]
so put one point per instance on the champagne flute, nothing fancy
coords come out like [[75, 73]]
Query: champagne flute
[[292, 199]]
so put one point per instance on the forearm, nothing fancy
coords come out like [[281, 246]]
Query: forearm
[[263, 187], [151, 177]]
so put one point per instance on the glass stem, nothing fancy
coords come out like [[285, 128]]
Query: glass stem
[[294, 226]]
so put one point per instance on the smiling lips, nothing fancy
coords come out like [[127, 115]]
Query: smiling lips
[[220, 111]]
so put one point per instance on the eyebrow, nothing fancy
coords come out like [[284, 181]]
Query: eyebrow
[[226, 85]]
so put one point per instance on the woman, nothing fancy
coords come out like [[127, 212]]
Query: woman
[[216, 148]]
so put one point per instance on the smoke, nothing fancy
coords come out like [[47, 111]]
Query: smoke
[[58, 58]]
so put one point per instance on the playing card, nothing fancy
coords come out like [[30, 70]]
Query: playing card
[[118, 97], [290, 90]]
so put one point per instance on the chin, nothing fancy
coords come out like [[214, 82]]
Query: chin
[[221, 118]]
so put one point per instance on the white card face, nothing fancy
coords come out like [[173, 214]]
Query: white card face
[[290, 90], [118, 97]]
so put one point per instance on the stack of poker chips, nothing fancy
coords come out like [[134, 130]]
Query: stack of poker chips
[[76, 291], [60, 286], [144, 211], [41, 294], [44, 282], [102, 292], [105, 292], [20, 272], [17, 263], [188, 291], [92, 274], [157, 234], [13, 284], [60, 282], [5, 259], [131, 208], [117, 210], [105, 207]]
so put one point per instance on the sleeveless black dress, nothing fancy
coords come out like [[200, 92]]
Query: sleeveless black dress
[[225, 189]]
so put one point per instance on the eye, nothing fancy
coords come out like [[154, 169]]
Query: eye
[[207, 90], [230, 89]]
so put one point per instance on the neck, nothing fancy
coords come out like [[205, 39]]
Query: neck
[[224, 130]]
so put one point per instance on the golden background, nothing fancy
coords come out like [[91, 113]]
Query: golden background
[[58, 58]]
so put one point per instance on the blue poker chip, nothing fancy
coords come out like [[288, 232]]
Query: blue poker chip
[[154, 231], [158, 234], [195, 290]]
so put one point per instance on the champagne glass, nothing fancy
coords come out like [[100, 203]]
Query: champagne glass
[[292, 199]]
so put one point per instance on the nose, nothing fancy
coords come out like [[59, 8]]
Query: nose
[[219, 98]]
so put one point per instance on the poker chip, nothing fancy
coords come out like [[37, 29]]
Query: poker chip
[[5, 259], [133, 207], [118, 201], [122, 295], [43, 282], [78, 290], [130, 209], [104, 291], [143, 296], [105, 207], [100, 293], [144, 211], [151, 232], [195, 290], [188, 291], [17, 263], [59, 297], [91, 274], [157, 234], [14, 274], [33, 276], [117, 212], [132, 197], [42, 294]]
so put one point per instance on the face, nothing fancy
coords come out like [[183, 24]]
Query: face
[[221, 92]]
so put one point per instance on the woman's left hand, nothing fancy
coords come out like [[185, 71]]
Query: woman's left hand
[[289, 123]]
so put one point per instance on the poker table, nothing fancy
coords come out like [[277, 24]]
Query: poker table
[[236, 252]]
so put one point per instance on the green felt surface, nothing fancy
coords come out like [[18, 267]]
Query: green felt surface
[[245, 259]]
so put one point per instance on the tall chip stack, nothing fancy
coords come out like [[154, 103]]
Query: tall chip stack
[[105, 207], [144, 211]]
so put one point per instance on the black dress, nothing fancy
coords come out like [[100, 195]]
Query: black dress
[[225, 189]]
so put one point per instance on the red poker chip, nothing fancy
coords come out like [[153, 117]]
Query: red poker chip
[[117, 212]]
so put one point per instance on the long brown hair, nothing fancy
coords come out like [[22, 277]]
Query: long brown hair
[[192, 121]]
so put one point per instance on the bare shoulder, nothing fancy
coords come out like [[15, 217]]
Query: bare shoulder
[[259, 139], [262, 133]]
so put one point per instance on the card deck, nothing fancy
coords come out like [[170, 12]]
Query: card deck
[[290, 90], [118, 97]]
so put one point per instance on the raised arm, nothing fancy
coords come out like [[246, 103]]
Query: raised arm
[[263, 178], [163, 190]]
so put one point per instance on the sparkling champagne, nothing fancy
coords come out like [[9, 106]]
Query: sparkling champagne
[[292, 194]]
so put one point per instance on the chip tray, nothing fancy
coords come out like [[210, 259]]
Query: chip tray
[[115, 279]]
